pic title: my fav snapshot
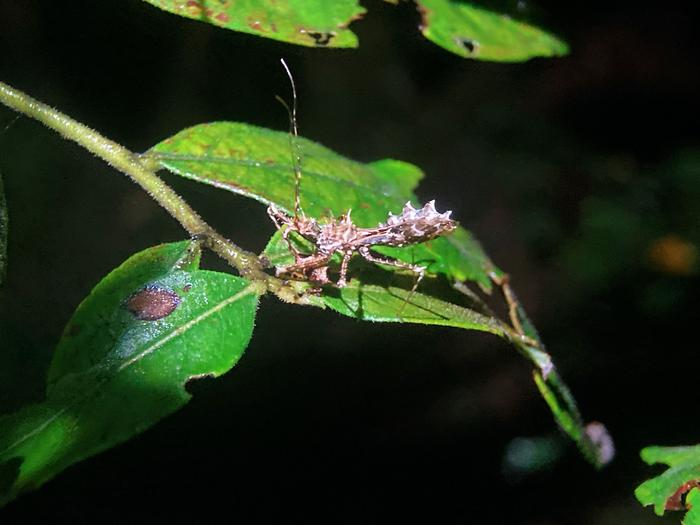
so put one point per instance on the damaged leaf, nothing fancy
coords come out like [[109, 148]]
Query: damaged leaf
[[472, 31], [469, 29], [677, 488], [316, 23]]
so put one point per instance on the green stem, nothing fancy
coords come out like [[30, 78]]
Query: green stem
[[248, 264]]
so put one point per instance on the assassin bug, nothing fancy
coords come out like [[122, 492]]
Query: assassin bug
[[340, 235]]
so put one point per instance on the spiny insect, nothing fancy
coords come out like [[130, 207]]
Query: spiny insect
[[340, 235]]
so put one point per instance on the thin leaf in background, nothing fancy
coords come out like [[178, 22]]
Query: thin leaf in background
[[146, 329]]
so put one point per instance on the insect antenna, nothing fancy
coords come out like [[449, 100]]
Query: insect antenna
[[293, 136]]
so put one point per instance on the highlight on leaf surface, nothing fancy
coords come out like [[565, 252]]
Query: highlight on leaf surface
[[124, 358], [677, 488]]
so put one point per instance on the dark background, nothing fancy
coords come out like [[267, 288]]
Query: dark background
[[573, 173]]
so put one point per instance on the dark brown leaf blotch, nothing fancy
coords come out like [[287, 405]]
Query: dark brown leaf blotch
[[152, 303]]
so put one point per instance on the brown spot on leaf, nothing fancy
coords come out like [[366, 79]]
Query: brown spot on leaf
[[677, 499], [223, 18], [186, 288], [255, 25], [193, 8], [152, 303]]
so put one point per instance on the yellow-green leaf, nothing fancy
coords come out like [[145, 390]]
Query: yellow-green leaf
[[319, 23]]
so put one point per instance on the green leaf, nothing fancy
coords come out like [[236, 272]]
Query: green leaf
[[257, 163], [478, 32], [4, 228], [319, 23], [382, 303], [145, 330], [682, 478]]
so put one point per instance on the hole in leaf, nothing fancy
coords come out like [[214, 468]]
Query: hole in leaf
[[322, 38], [152, 303], [469, 45]]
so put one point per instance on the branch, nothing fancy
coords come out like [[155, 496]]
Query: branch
[[248, 264]]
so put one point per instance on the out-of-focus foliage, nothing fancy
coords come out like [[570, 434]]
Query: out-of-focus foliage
[[640, 220]]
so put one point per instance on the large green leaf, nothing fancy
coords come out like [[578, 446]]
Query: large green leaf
[[473, 31], [468, 29], [677, 487], [145, 330], [4, 226], [257, 162], [305, 22]]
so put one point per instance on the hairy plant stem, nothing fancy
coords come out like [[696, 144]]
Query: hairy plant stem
[[248, 264]]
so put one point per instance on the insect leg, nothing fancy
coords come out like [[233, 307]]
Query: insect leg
[[305, 267], [298, 256], [342, 280], [511, 300], [419, 271]]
